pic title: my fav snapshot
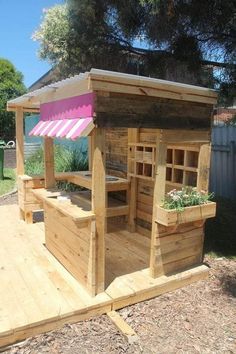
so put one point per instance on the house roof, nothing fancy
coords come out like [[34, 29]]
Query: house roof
[[102, 80]]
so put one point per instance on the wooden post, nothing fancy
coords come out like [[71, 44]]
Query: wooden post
[[133, 137], [20, 141], [49, 163], [99, 204], [90, 150], [204, 167], [204, 159], [156, 265]]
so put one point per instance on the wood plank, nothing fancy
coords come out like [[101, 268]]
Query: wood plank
[[178, 245], [182, 264], [194, 250], [155, 120], [53, 325], [144, 90], [133, 137], [156, 265], [185, 136], [99, 204], [159, 285], [204, 167], [49, 163], [28, 280], [125, 329], [132, 104], [189, 214], [68, 222], [20, 141], [78, 213]]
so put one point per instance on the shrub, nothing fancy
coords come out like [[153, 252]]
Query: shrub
[[65, 160]]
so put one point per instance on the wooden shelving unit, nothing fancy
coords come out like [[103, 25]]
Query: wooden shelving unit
[[182, 166], [141, 160]]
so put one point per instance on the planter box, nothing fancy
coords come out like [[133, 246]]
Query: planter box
[[189, 214]]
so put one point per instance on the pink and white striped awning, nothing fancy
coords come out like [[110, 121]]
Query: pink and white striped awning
[[62, 118], [64, 128]]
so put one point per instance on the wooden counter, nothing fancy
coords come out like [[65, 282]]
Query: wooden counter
[[84, 179], [30, 201], [80, 178], [75, 208], [80, 207]]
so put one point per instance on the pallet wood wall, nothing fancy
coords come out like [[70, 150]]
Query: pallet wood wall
[[116, 151], [130, 111], [181, 246]]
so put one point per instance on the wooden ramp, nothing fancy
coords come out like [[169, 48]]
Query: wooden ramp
[[37, 294]]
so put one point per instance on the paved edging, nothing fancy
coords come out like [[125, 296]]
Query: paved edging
[[8, 194]]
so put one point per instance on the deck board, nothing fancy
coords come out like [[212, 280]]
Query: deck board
[[38, 294]]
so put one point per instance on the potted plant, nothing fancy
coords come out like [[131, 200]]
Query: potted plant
[[185, 205]]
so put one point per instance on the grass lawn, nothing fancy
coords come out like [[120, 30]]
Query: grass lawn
[[220, 232], [9, 182]]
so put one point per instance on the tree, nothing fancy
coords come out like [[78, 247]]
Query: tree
[[11, 86], [105, 34]]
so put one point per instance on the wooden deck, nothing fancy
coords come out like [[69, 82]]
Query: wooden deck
[[37, 294]]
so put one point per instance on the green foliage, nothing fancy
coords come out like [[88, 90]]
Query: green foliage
[[104, 34], [185, 197], [52, 34], [9, 181], [11, 86], [66, 160]]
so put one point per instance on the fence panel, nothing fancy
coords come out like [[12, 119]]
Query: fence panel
[[223, 166]]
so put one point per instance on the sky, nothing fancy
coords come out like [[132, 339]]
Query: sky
[[18, 20]]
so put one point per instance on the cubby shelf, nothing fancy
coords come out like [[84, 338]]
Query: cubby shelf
[[141, 160], [181, 166]]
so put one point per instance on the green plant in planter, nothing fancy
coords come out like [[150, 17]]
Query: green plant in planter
[[186, 197]]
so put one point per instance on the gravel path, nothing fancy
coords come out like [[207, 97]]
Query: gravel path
[[199, 318]]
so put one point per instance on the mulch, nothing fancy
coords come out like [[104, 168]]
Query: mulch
[[199, 318]]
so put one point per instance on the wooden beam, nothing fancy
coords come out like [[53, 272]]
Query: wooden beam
[[20, 141], [125, 329], [25, 109], [204, 160], [186, 136], [99, 204], [133, 137], [154, 120], [156, 264], [144, 88], [49, 163], [128, 104]]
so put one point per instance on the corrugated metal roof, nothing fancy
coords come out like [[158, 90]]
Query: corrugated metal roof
[[103, 75]]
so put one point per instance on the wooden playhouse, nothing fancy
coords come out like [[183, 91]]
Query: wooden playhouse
[[145, 136]]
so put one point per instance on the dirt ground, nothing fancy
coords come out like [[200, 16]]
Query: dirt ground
[[199, 318]]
